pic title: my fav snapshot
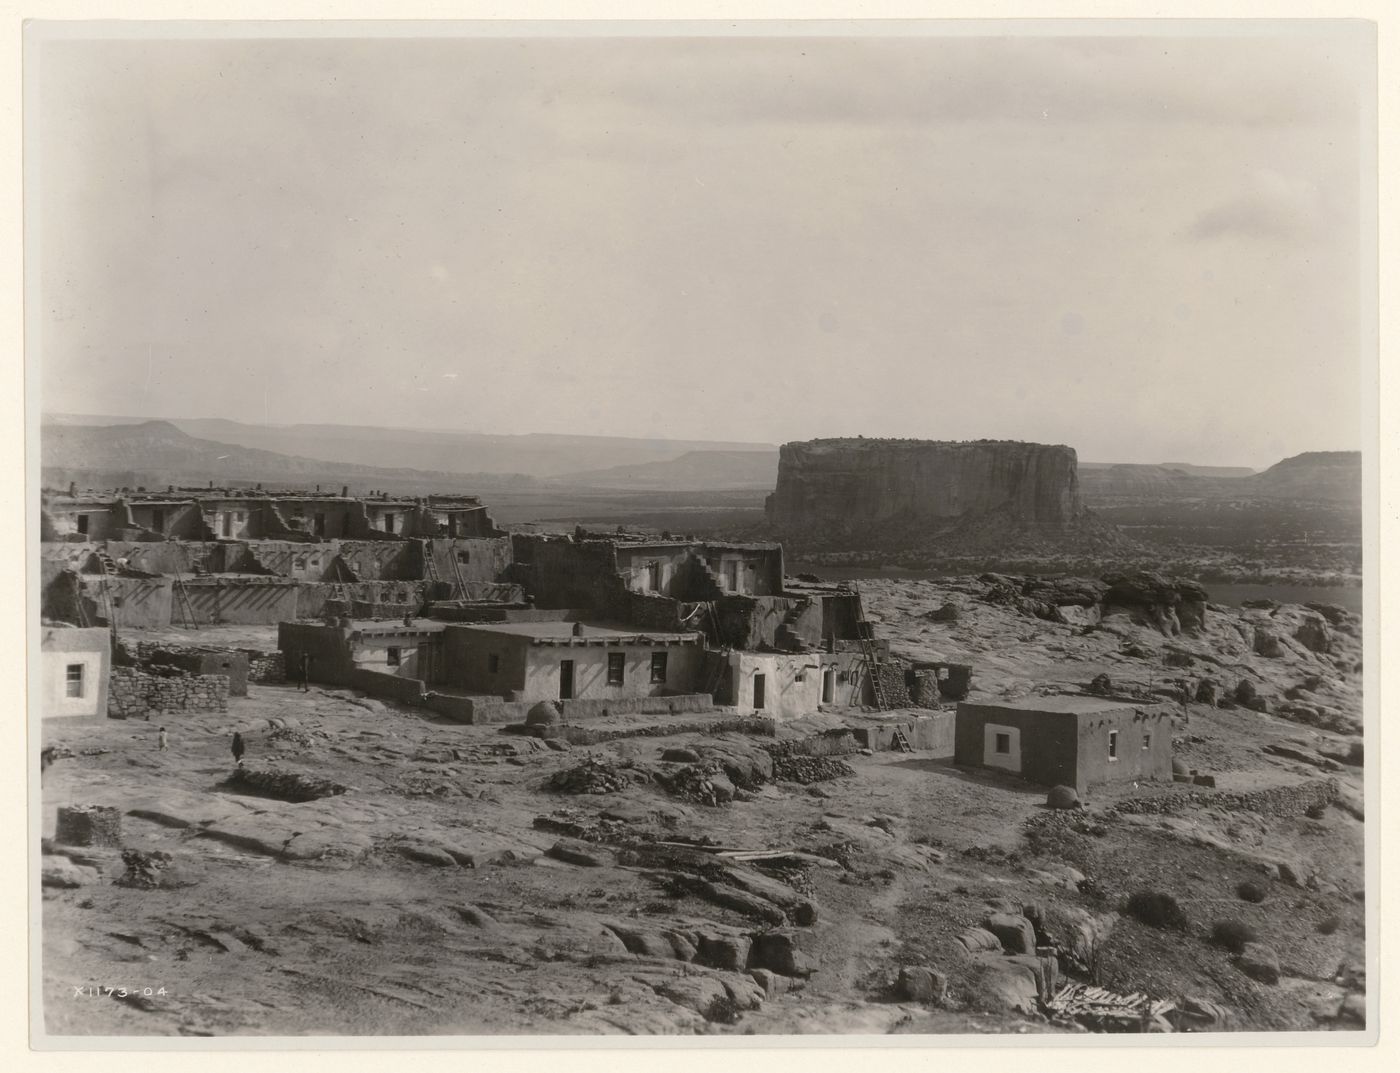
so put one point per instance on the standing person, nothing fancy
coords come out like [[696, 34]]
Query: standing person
[[304, 665], [237, 747], [164, 740]]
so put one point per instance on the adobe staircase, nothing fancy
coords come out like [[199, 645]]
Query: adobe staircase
[[785, 636], [709, 580]]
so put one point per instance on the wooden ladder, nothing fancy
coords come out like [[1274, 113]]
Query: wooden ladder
[[106, 568], [868, 653], [901, 742]]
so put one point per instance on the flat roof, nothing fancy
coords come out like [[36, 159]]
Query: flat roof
[[393, 626], [546, 632], [633, 544], [1062, 704]]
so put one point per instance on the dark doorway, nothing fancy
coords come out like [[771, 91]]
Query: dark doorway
[[828, 685], [321, 524], [452, 525], [83, 524], [425, 670], [158, 520], [760, 691], [388, 523], [566, 679]]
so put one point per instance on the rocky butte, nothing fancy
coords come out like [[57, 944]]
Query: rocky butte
[[953, 498]]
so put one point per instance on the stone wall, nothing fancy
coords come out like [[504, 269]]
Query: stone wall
[[1291, 800], [134, 693], [269, 667], [892, 681]]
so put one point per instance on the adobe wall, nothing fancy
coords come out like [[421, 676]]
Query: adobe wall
[[935, 733], [252, 601], [62, 648], [328, 646], [484, 559], [378, 683], [668, 704], [466, 657], [683, 663], [1144, 747], [560, 573], [1049, 742], [138, 603], [792, 686]]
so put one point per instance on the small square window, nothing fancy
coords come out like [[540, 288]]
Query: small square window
[[1003, 744], [73, 683], [658, 666], [617, 662], [493, 663], [1113, 745], [393, 657]]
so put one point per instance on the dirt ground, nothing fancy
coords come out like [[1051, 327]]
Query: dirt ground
[[448, 891]]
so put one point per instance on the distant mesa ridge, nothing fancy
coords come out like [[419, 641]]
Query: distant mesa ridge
[[967, 497]]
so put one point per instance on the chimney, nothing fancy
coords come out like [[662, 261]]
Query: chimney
[[72, 488], [344, 491]]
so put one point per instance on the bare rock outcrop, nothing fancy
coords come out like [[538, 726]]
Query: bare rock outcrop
[[949, 498]]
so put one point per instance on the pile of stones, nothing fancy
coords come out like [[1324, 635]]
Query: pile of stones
[[593, 776], [294, 786], [704, 783], [810, 769]]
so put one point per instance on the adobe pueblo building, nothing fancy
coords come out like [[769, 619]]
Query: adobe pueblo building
[[1067, 740], [197, 557], [426, 602]]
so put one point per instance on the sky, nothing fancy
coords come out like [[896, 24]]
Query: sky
[[1146, 247]]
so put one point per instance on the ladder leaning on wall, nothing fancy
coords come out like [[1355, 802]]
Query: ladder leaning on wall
[[869, 656]]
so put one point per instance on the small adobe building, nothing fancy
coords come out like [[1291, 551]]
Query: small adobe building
[[557, 660], [1067, 740], [74, 668]]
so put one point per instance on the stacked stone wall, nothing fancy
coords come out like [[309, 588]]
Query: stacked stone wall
[[133, 693]]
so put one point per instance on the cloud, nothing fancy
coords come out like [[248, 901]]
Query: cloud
[[1273, 207]]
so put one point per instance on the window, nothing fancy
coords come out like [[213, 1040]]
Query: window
[[73, 684], [1147, 741], [658, 666], [1113, 745], [617, 662], [1003, 744], [493, 663], [393, 657], [464, 557]]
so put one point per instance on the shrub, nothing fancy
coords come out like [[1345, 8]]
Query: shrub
[[1328, 925], [1157, 909], [1232, 935], [1251, 892]]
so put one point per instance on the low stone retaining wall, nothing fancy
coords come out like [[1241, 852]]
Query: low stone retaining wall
[[133, 693], [582, 735], [594, 709], [1293, 800]]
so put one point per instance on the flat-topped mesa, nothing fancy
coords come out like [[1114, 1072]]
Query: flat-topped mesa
[[877, 493]]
